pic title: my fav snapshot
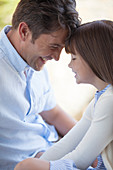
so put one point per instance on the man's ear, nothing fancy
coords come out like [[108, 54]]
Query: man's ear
[[23, 31]]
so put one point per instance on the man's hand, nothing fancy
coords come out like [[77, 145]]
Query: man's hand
[[94, 165], [39, 154]]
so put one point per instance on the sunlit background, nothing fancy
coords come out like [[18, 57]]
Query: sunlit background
[[71, 97]]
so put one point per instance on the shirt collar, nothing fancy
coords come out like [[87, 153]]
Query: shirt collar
[[10, 52], [99, 93]]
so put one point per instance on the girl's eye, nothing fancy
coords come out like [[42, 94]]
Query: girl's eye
[[73, 58]]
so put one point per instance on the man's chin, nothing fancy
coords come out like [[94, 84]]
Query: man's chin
[[39, 68]]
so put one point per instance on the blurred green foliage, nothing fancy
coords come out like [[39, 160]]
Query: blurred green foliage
[[7, 8]]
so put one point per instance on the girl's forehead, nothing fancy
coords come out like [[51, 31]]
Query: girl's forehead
[[72, 55]]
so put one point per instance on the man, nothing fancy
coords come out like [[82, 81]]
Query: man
[[29, 116]]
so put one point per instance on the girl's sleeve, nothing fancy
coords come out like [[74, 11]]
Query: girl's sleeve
[[69, 142], [62, 165], [88, 138], [65, 164], [98, 136]]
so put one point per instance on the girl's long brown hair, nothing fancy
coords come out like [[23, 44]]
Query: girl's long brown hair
[[94, 42]]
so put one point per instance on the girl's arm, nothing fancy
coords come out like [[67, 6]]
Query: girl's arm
[[69, 142], [86, 141]]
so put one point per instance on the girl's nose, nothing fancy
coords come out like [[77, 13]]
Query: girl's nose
[[69, 65]]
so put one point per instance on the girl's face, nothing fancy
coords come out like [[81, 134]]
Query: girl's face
[[83, 72]]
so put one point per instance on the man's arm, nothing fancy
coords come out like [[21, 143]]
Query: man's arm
[[57, 117]]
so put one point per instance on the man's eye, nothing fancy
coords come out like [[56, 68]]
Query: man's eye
[[54, 47]]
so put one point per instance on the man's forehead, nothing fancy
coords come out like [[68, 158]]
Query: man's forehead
[[61, 32], [57, 38]]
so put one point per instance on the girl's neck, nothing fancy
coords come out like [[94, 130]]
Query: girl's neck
[[100, 84]]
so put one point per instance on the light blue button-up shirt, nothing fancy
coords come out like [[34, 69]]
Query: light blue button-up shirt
[[23, 132]]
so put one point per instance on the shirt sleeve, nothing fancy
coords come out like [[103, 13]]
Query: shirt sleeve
[[86, 140], [64, 146], [94, 142], [62, 165], [65, 164]]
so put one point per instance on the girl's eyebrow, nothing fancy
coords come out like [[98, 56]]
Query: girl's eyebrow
[[73, 56]]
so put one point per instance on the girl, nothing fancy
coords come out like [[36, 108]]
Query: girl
[[91, 48]]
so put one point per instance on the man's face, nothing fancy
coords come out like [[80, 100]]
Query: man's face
[[45, 47]]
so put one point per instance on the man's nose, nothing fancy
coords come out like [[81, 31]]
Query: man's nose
[[56, 55]]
